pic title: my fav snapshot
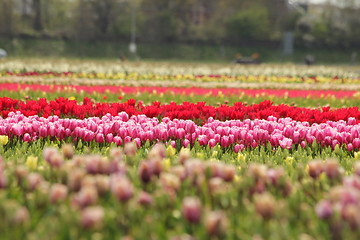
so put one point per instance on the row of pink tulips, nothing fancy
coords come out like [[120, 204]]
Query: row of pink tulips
[[120, 129]]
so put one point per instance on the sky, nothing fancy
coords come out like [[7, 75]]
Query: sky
[[336, 2], [311, 1]]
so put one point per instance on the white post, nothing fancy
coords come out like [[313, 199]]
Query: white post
[[132, 45], [288, 43]]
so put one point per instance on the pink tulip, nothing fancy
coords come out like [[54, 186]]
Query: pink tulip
[[3, 181], [324, 209], [282, 132], [92, 217], [99, 138], [239, 147], [138, 142], [212, 143], [286, 143], [121, 188], [203, 140], [27, 137], [117, 140], [109, 137], [185, 143], [191, 209], [17, 129], [58, 192]]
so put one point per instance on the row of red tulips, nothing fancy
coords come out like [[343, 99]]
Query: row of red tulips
[[198, 112]]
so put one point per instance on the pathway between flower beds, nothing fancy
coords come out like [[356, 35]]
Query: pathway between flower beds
[[179, 90]]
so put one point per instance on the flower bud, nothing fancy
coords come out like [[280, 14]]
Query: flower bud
[[357, 168], [2, 163], [58, 193], [21, 173], [75, 179], [33, 181], [352, 181], [170, 181], [48, 153], [21, 216], [316, 167], [179, 171], [156, 166], [331, 168], [337, 193], [116, 154], [184, 155], [68, 150], [194, 167], [215, 168], [56, 160], [257, 171], [324, 209], [93, 164], [42, 194], [88, 180], [157, 151], [88, 195], [92, 217], [259, 187], [216, 185], [79, 160], [121, 188], [104, 166], [228, 173], [191, 209], [274, 175], [265, 205], [130, 149], [145, 198], [350, 213], [287, 188], [127, 238], [145, 171], [183, 237], [102, 184], [215, 223], [3, 180], [31, 162]]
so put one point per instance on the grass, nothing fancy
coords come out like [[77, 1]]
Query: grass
[[168, 52]]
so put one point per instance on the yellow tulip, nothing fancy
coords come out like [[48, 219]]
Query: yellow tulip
[[4, 139], [241, 157], [289, 160], [170, 151], [214, 154], [31, 162], [166, 163]]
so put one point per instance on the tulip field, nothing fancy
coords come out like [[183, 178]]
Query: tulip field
[[110, 150]]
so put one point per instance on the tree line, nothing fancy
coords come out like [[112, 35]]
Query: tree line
[[182, 21]]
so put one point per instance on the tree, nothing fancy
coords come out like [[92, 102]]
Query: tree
[[248, 25], [103, 14], [38, 22], [6, 18]]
